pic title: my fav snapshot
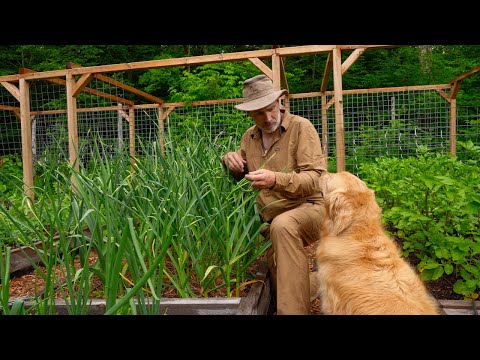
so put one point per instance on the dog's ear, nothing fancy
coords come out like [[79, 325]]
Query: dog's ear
[[344, 207], [339, 210]]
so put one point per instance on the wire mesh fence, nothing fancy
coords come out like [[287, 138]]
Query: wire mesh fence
[[378, 123]]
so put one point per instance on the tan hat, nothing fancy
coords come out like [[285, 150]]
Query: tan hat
[[258, 92]]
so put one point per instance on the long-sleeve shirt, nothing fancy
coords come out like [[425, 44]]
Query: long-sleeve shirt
[[296, 158]]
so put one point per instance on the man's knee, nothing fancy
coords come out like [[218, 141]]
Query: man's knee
[[283, 226]]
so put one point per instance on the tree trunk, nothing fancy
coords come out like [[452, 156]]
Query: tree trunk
[[426, 59]]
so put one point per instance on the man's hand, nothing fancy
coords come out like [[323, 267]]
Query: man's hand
[[261, 179], [234, 162]]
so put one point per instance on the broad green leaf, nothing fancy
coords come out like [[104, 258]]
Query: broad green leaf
[[472, 269], [448, 268]]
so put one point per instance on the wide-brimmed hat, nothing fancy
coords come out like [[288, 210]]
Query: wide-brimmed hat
[[258, 92]]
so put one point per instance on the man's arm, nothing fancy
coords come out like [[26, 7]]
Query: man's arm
[[305, 180]]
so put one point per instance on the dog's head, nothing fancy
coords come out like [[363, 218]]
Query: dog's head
[[348, 201]]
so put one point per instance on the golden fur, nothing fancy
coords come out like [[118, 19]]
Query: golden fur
[[360, 269]]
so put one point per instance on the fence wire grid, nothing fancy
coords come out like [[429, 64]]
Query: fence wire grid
[[376, 124]]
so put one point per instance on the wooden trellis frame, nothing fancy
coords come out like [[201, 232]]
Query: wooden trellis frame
[[18, 86]]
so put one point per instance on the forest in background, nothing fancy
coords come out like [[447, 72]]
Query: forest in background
[[402, 66]]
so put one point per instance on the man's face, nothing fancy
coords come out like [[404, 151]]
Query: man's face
[[267, 118]]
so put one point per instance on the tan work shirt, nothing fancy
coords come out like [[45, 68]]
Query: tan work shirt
[[297, 160]]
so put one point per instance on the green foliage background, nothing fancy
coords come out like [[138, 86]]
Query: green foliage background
[[406, 65]]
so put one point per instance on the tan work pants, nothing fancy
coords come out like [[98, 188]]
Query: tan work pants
[[289, 233]]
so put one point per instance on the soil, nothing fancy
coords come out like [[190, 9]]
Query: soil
[[28, 284]]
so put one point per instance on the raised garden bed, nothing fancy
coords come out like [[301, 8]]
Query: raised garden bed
[[256, 302], [460, 307], [21, 258]]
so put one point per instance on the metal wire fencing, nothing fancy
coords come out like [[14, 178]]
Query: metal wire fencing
[[376, 124]]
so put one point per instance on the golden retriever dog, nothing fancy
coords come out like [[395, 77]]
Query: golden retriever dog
[[360, 268]]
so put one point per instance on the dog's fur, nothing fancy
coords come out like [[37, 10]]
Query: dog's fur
[[360, 269]]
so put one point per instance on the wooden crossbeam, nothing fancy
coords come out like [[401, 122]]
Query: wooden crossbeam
[[12, 89], [457, 81], [351, 59], [87, 90], [263, 68], [465, 74], [193, 60], [106, 79]]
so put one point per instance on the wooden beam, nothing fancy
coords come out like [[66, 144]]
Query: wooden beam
[[82, 83], [87, 90], [192, 60], [263, 68], [14, 109], [12, 89], [351, 59], [183, 61], [304, 50], [324, 129], [326, 73], [166, 113], [161, 127], [129, 88], [124, 115], [34, 76], [455, 89], [453, 126], [106, 79], [283, 75], [72, 124], [9, 108], [354, 47], [26, 130], [131, 133], [330, 103], [444, 95], [276, 71], [457, 81], [375, 90], [465, 74], [203, 102], [339, 129]]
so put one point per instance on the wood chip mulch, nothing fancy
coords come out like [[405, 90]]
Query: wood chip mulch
[[26, 285], [31, 284]]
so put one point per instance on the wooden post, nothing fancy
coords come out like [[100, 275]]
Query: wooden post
[[392, 108], [453, 126], [324, 127], [276, 71], [277, 76], [283, 80], [72, 122], [120, 128], [26, 130], [338, 90], [34, 140], [161, 128], [131, 128]]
